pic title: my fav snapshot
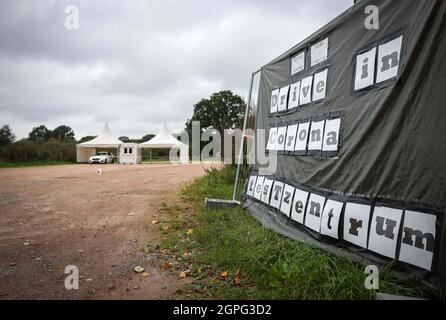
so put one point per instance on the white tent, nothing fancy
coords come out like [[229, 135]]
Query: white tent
[[164, 140], [105, 140]]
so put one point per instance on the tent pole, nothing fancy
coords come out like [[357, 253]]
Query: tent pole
[[242, 144]]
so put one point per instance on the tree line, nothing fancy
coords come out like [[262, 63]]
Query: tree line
[[43, 144], [222, 110]]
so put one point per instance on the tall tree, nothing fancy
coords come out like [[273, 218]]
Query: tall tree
[[40, 133], [223, 110], [147, 137], [86, 138], [6, 135], [124, 139], [63, 133]]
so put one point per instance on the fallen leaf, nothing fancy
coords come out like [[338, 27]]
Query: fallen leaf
[[12, 264], [155, 222], [186, 254], [224, 274], [190, 232], [145, 274], [80, 251], [131, 214], [167, 265], [237, 278], [139, 269], [183, 274]]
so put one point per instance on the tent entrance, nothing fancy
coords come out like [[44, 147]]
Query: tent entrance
[[113, 151], [151, 155]]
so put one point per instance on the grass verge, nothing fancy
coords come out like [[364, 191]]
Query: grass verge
[[32, 164], [229, 255]]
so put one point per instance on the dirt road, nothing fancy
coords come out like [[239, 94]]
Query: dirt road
[[53, 217]]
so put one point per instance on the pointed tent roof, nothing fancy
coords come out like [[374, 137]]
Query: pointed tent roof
[[163, 140], [104, 140]]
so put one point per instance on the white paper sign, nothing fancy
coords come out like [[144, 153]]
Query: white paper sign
[[291, 137], [272, 139], [331, 135], [384, 231], [316, 136], [283, 98], [314, 212], [319, 52], [299, 205], [287, 200], [293, 101], [320, 85], [389, 56], [365, 69], [281, 138], [266, 193], [276, 196], [274, 101], [418, 239], [259, 188], [251, 185], [302, 136], [305, 90], [298, 63], [356, 223], [330, 218]]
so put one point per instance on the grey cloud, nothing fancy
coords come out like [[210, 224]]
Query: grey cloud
[[136, 64]]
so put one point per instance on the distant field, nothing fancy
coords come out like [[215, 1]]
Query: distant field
[[32, 164], [155, 160]]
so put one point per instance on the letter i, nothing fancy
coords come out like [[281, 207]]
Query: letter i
[[365, 68]]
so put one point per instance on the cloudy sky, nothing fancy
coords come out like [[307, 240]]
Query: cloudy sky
[[138, 63]]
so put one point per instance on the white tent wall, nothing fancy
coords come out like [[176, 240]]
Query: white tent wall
[[83, 154]]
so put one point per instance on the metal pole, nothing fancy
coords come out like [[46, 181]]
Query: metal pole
[[242, 144]]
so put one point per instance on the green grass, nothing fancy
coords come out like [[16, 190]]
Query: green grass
[[161, 160], [32, 164], [271, 266]]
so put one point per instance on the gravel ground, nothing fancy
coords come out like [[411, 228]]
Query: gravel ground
[[52, 217]]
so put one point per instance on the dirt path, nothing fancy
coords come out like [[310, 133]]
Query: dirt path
[[52, 217]]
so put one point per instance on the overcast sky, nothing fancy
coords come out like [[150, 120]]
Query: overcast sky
[[137, 64]]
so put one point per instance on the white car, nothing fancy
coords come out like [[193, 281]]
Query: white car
[[102, 157]]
